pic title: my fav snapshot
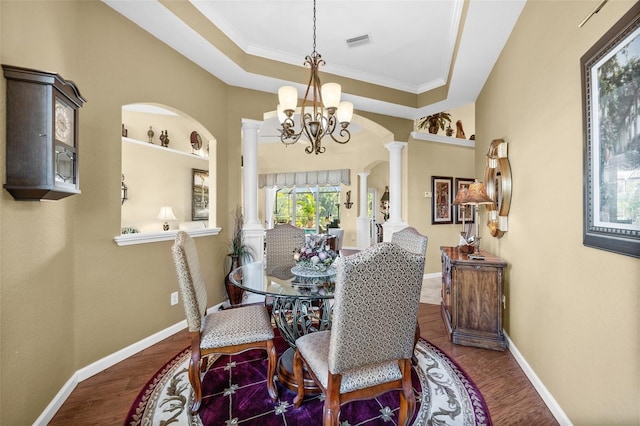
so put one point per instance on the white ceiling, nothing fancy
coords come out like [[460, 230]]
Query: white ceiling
[[412, 45]]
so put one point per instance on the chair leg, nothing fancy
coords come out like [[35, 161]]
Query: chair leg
[[407, 397], [331, 410], [297, 372], [415, 342], [194, 379], [271, 369]]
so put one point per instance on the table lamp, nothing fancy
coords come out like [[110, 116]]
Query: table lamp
[[474, 196], [166, 214], [463, 194]]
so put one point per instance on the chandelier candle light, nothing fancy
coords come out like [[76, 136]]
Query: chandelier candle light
[[321, 108]]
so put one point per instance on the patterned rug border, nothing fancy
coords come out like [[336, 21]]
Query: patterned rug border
[[148, 397]]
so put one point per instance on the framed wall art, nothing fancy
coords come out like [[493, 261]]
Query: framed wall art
[[465, 210], [200, 195], [611, 114], [441, 207]]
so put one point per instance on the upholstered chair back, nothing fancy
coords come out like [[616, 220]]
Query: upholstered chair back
[[280, 243], [339, 233], [411, 240], [190, 281], [376, 306]]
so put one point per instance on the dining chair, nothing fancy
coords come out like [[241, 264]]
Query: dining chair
[[280, 243], [230, 331], [369, 348], [410, 239], [339, 233]]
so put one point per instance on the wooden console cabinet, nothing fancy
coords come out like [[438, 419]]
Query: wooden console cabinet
[[472, 298]]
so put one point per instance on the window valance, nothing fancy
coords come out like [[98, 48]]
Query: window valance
[[301, 179]]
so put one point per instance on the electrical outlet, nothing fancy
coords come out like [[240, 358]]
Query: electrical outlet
[[174, 298], [428, 195]]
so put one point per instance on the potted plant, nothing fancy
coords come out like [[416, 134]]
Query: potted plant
[[238, 252], [434, 122]]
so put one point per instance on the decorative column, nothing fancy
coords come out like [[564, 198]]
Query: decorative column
[[253, 231], [395, 222], [363, 225], [269, 203]]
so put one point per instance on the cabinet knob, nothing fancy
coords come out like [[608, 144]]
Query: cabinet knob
[[42, 135]]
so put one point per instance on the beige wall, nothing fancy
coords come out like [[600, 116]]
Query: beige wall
[[67, 290], [572, 311]]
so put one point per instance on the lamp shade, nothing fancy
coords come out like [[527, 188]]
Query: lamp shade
[[345, 112], [476, 194], [330, 93], [166, 213], [281, 115], [463, 194], [288, 98]]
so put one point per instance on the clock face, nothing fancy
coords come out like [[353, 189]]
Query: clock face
[[64, 126]]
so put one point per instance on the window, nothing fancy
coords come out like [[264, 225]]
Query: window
[[312, 208]]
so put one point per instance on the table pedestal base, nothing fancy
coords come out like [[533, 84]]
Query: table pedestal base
[[287, 377]]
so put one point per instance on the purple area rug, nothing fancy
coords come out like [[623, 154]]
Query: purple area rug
[[235, 393]]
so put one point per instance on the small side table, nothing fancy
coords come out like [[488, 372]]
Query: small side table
[[472, 299]]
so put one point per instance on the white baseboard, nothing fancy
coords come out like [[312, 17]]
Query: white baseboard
[[544, 393], [104, 363]]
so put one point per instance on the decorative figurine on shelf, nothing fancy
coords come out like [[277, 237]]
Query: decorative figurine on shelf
[[150, 133], [164, 138], [124, 132], [449, 130], [459, 130]]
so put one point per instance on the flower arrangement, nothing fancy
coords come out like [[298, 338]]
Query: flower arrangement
[[315, 254]]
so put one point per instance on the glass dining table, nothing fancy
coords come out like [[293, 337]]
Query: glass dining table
[[301, 303]]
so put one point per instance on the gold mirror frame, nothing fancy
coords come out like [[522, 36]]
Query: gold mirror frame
[[497, 179]]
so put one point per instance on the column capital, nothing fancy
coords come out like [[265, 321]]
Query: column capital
[[249, 123], [395, 145], [363, 174]]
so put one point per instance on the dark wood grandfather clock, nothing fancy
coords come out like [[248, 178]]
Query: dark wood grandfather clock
[[42, 135]]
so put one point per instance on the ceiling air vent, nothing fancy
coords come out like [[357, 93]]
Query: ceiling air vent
[[358, 41]]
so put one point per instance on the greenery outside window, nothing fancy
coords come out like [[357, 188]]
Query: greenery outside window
[[314, 208]]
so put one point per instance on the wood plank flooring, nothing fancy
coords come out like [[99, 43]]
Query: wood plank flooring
[[105, 398]]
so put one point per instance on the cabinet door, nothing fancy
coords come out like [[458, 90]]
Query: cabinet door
[[28, 136], [477, 299]]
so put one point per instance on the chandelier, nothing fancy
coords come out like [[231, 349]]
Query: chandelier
[[321, 109]]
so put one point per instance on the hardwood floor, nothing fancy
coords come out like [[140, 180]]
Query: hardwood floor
[[105, 398]]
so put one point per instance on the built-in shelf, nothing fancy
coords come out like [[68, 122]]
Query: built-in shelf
[[443, 139], [153, 237], [165, 149]]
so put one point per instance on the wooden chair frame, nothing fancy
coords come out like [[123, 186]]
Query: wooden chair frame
[[334, 399]]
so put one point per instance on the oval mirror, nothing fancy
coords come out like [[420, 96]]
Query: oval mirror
[[497, 178]]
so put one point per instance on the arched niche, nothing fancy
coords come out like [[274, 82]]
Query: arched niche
[[158, 174]]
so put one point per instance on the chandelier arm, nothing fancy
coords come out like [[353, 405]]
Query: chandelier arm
[[344, 133], [288, 136], [316, 121]]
